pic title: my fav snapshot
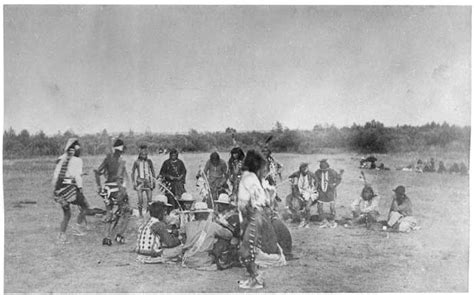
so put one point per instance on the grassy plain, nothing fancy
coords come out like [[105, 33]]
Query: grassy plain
[[434, 259]]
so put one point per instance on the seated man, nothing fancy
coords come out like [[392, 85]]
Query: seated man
[[304, 188], [400, 217], [365, 208], [419, 166], [442, 168], [200, 236], [225, 251], [186, 203], [156, 242]]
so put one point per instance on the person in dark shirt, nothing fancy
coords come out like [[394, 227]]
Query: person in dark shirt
[[114, 193], [216, 173], [327, 181], [173, 173], [235, 169]]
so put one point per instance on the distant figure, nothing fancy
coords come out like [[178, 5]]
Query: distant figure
[[327, 181], [143, 177], [430, 167], [382, 167], [365, 209], [67, 182], [173, 172], [454, 168], [401, 212], [368, 163], [419, 166], [441, 167], [463, 169]]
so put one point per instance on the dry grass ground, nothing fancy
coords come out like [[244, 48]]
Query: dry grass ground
[[434, 259]]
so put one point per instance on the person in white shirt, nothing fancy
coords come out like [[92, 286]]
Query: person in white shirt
[[365, 209], [67, 183], [258, 232]]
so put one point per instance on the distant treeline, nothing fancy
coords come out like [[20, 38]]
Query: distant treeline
[[373, 137]]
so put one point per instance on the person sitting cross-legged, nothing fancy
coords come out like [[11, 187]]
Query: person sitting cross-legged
[[365, 208], [156, 242], [200, 236], [401, 212]]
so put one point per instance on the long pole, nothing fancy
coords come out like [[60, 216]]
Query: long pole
[[171, 193]]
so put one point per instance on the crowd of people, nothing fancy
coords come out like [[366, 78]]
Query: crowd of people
[[233, 222], [430, 167]]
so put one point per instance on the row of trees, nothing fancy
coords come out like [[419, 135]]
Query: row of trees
[[372, 137]]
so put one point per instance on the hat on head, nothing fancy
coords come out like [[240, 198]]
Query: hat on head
[[200, 207], [71, 142], [119, 145], [161, 198], [223, 199], [186, 197], [400, 190]]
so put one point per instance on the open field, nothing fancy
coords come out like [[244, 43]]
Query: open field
[[434, 259]]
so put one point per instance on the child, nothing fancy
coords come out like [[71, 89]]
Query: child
[[156, 243]]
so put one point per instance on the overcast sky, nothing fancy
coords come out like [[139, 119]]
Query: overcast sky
[[173, 68]]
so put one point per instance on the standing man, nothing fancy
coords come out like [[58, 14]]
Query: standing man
[[173, 172], [216, 173], [328, 179], [114, 193], [143, 177], [67, 182]]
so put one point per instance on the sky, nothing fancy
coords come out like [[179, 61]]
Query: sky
[[176, 68]]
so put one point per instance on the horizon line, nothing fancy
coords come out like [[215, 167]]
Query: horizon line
[[324, 126]]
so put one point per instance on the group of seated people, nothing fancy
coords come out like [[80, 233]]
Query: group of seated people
[[370, 163], [194, 235], [306, 188], [365, 210], [430, 166]]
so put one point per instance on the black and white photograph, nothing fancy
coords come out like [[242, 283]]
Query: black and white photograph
[[236, 148]]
